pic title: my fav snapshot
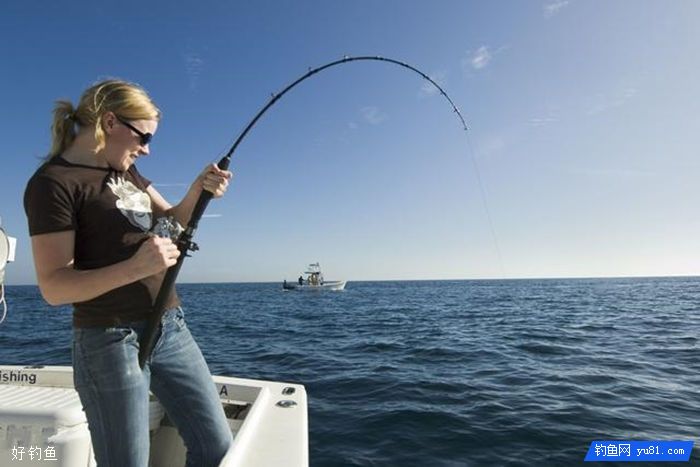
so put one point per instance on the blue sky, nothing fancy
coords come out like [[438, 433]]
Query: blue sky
[[583, 115]]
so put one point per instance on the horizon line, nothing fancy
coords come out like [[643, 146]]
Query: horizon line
[[689, 276]]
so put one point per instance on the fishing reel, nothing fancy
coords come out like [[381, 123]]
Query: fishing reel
[[168, 227]]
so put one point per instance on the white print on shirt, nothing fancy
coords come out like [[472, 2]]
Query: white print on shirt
[[132, 202]]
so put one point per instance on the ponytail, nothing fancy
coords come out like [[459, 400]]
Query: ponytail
[[62, 128]]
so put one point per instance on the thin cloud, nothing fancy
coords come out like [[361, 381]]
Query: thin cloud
[[552, 9], [541, 121], [373, 115], [212, 215], [615, 173], [193, 66], [169, 185], [481, 58], [428, 89], [491, 146], [602, 103], [544, 120]]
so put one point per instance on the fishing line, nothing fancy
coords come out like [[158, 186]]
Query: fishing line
[[184, 241], [482, 191]]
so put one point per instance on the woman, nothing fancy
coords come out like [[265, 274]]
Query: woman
[[100, 241]]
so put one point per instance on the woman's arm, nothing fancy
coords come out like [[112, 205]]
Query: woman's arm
[[60, 283], [211, 179]]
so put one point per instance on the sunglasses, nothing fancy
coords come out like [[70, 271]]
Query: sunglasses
[[145, 137]]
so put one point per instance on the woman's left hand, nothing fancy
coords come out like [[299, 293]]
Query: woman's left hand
[[215, 180]]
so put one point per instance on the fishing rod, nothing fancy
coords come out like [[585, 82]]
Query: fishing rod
[[184, 242]]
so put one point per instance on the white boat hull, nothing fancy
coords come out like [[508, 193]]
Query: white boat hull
[[327, 285], [39, 407]]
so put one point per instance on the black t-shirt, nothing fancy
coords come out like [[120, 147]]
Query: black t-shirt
[[111, 214]]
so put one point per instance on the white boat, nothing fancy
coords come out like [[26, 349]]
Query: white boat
[[41, 411], [314, 281], [42, 419]]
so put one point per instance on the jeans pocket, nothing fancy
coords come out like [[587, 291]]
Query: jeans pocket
[[105, 357], [120, 335], [98, 340]]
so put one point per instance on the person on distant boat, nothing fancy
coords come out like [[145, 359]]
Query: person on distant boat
[[93, 221], [301, 280]]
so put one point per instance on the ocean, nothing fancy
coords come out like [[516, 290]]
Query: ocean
[[443, 373]]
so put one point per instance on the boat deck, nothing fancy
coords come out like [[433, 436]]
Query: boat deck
[[40, 408]]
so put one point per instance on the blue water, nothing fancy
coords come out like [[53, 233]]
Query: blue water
[[444, 373]]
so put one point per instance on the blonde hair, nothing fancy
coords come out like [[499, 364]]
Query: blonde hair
[[127, 100]]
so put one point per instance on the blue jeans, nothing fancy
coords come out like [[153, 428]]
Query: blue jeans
[[114, 392]]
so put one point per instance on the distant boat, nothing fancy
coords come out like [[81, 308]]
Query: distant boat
[[314, 281]]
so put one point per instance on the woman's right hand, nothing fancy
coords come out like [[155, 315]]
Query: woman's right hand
[[155, 255]]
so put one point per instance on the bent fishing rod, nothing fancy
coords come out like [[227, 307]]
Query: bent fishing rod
[[184, 242]]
